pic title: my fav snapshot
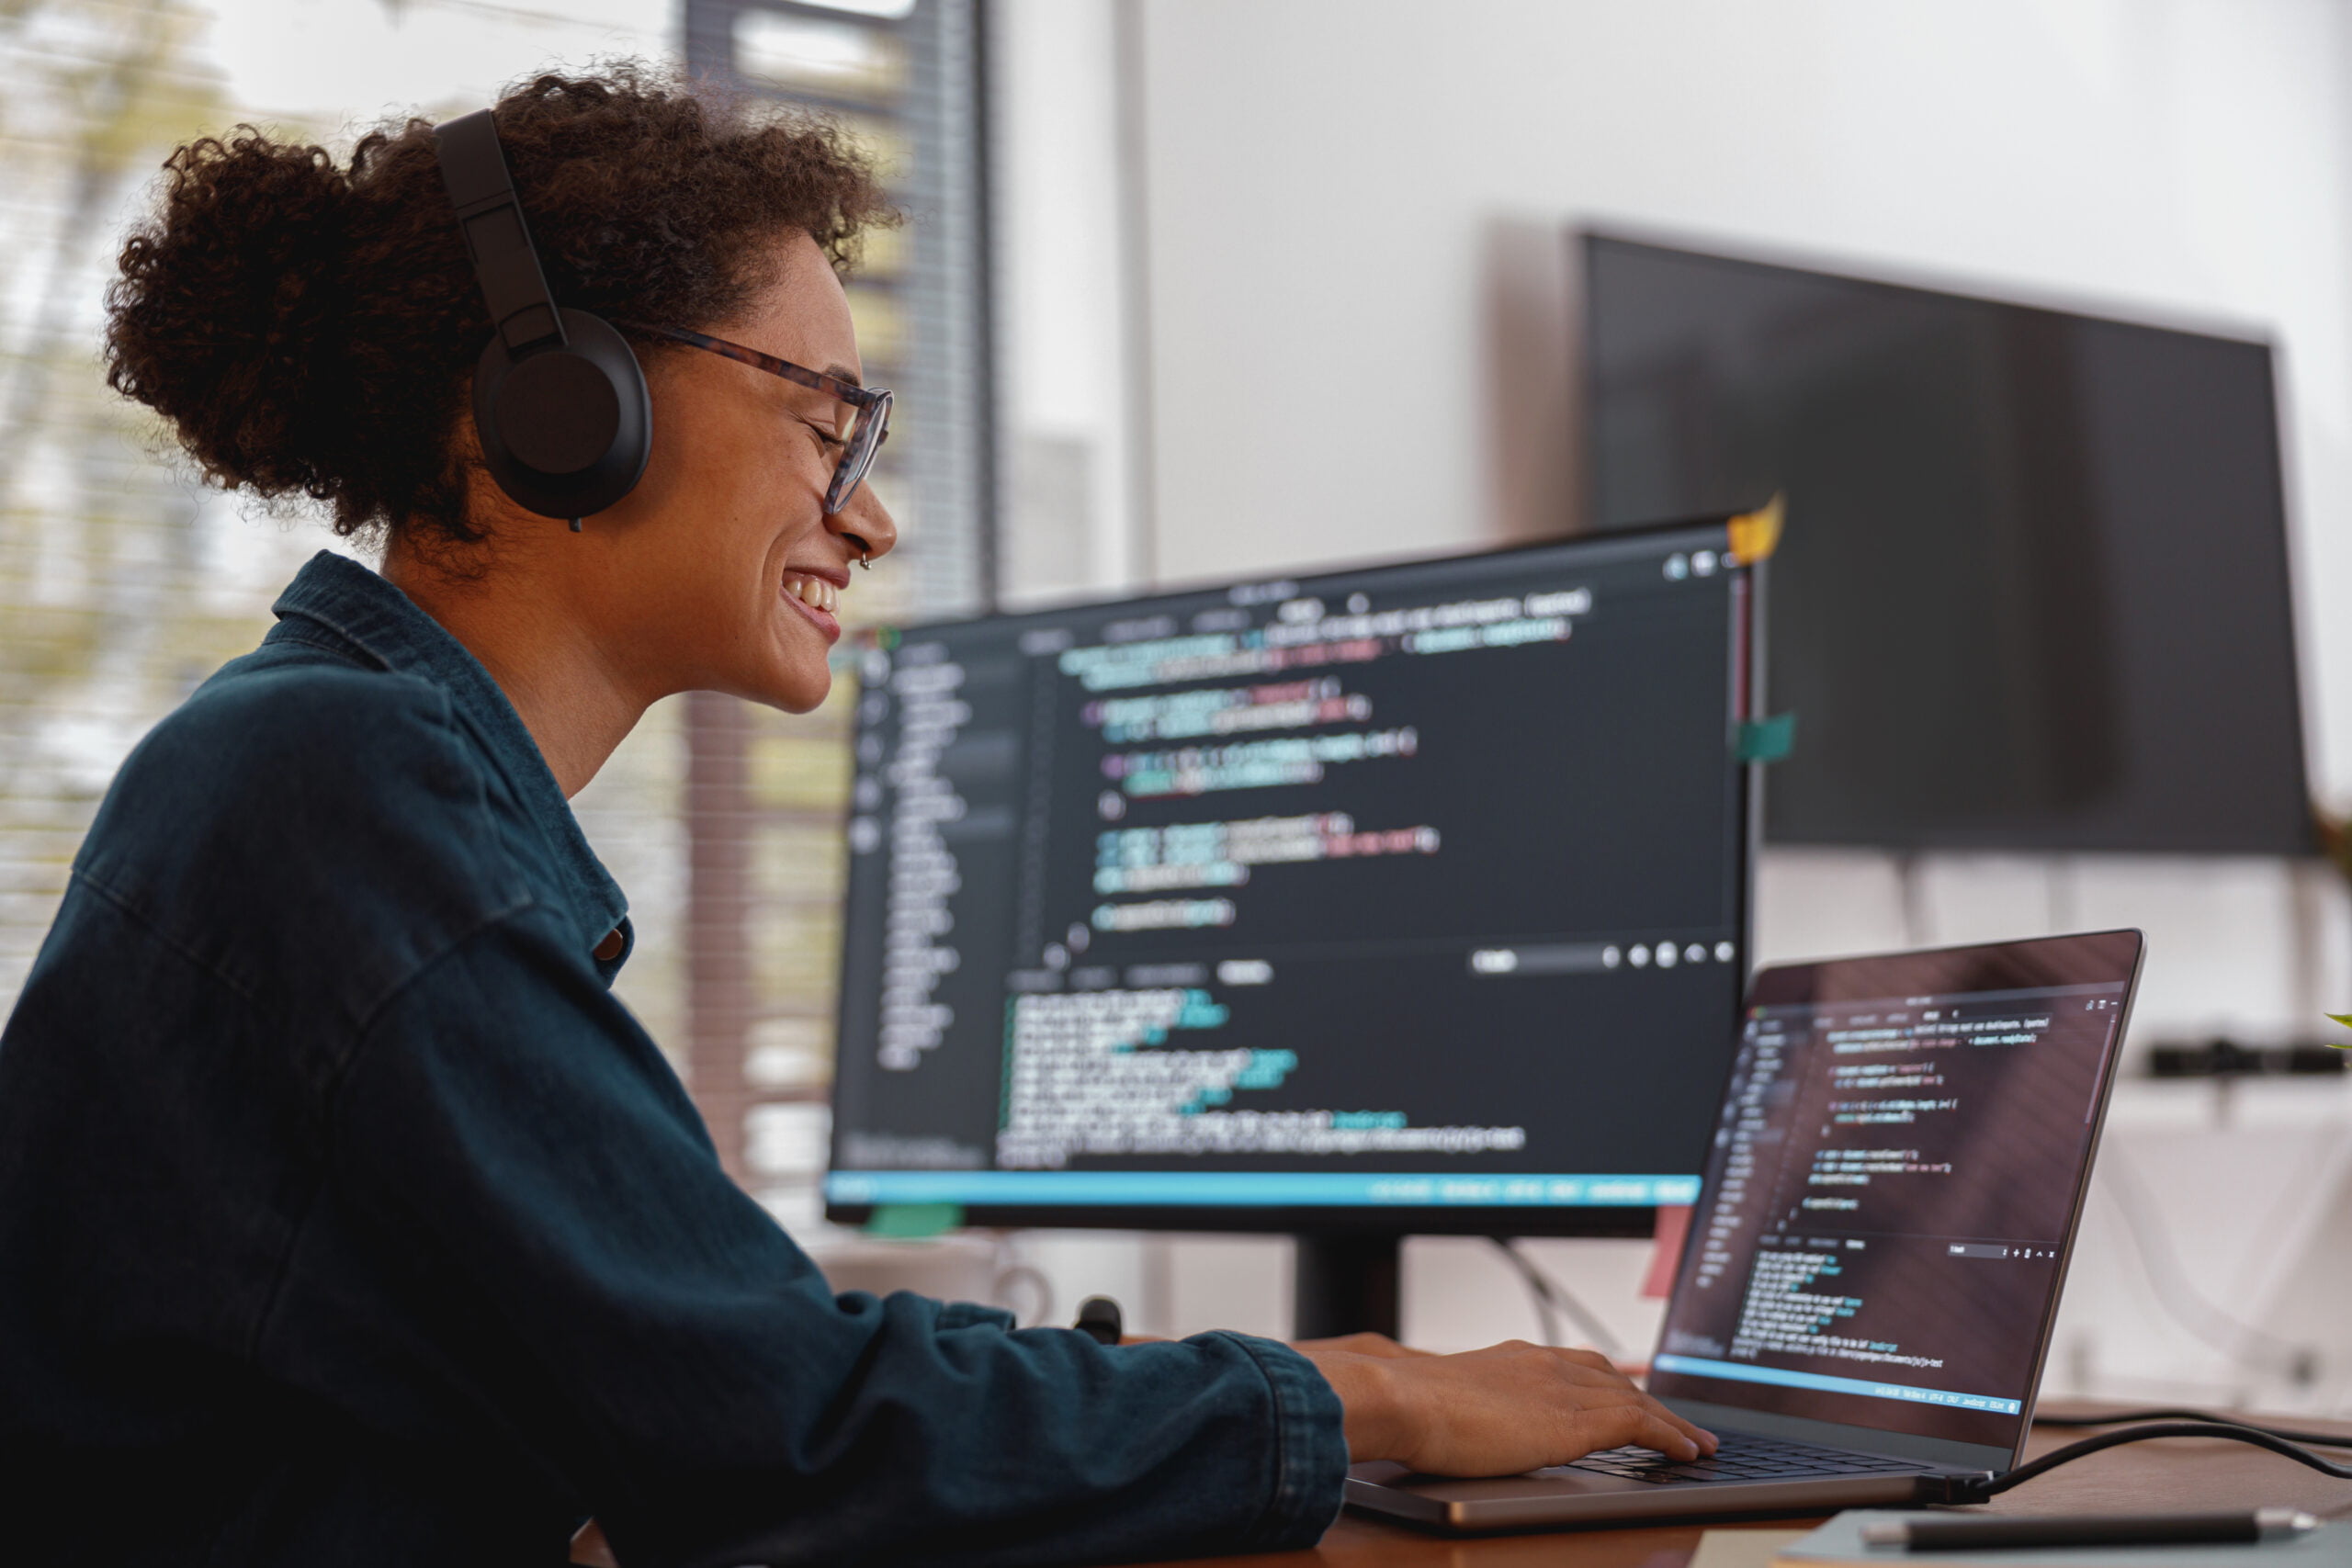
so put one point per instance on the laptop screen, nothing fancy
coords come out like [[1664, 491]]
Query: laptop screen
[[1893, 1184]]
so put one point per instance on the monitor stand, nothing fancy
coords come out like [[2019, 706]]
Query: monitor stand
[[1346, 1282]]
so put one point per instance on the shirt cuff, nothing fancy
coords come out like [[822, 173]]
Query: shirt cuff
[[1310, 1449]]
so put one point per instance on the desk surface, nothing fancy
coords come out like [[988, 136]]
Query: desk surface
[[2175, 1475]]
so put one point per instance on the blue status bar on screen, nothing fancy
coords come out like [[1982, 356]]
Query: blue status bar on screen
[[1746, 1371], [1238, 1189]]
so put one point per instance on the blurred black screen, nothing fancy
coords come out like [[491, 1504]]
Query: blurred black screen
[[2033, 592]]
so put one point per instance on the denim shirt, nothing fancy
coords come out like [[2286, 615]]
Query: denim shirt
[[347, 1217]]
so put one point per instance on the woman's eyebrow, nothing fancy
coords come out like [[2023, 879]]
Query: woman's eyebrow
[[842, 372]]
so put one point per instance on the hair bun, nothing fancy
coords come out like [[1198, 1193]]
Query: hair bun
[[312, 331], [225, 318]]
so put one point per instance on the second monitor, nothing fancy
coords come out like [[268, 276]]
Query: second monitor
[[1408, 898]]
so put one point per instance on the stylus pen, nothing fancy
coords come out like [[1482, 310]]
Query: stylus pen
[[2086, 1529]]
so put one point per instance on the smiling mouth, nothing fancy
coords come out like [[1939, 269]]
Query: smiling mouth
[[813, 591], [815, 598]]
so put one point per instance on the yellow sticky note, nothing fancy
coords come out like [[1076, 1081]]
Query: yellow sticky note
[[1756, 534]]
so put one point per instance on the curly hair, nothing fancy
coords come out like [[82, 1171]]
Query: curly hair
[[309, 329]]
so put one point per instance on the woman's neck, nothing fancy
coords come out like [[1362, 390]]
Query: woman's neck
[[568, 692]]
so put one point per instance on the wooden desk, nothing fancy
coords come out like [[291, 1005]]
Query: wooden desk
[[2175, 1475]]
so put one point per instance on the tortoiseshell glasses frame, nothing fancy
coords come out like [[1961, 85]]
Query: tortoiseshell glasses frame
[[869, 421]]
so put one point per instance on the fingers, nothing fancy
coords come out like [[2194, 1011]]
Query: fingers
[[1663, 1430], [1505, 1409], [1699, 1436], [1634, 1423]]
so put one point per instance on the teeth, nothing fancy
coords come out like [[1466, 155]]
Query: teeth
[[813, 591]]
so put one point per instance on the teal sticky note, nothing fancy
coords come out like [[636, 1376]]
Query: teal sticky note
[[911, 1222], [1767, 740]]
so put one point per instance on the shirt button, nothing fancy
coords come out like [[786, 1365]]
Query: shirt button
[[610, 948]]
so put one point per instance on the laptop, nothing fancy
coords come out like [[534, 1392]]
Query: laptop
[[1867, 1288]]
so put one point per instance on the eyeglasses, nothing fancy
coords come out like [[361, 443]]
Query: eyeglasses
[[869, 419]]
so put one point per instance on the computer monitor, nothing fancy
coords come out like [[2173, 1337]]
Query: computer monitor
[[1407, 899], [2035, 592]]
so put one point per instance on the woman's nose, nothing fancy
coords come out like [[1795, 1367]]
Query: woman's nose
[[866, 521]]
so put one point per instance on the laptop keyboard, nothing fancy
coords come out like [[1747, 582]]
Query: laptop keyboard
[[1742, 1457]]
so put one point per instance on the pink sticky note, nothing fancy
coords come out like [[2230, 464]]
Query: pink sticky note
[[1665, 1249]]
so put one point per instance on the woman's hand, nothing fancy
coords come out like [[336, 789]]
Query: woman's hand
[[1499, 1411], [1356, 1345]]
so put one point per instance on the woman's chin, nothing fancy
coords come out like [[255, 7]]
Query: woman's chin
[[796, 690]]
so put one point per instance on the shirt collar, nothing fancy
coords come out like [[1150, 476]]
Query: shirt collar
[[359, 608]]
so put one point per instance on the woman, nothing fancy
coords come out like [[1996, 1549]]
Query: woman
[[344, 1214]]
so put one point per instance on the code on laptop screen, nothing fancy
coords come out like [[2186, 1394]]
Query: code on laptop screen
[[1893, 1185]]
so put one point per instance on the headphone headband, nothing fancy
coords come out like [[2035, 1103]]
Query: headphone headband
[[490, 215], [559, 401]]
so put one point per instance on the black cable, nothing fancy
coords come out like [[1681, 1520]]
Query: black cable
[[1549, 1294], [1977, 1489], [2324, 1439]]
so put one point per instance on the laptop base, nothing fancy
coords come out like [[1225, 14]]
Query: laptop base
[[1562, 1497]]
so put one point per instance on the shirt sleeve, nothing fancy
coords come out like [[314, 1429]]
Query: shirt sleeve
[[662, 1347]]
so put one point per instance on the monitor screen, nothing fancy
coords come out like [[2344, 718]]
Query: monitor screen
[[1415, 889], [1893, 1185], [2034, 591]]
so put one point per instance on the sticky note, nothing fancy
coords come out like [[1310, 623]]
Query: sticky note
[[908, 1222], [1767, 740], [1756, 534]]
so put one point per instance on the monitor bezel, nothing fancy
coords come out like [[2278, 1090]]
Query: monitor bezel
[[1629, 1221]]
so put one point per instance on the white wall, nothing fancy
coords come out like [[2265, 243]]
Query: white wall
[[1354, 210], [1331, 180], [1357, 347]]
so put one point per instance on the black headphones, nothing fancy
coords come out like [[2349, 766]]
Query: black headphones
[[560, 400]]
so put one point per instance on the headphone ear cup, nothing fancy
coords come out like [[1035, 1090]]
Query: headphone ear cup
[[565, 428]]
